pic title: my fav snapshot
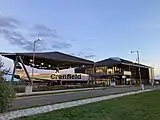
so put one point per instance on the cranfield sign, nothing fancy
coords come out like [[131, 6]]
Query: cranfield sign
[[65, 76]]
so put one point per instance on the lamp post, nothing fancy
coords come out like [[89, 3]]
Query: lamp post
[[138, 59], [34, 49]]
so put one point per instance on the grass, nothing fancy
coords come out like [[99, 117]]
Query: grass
[[143, 106]]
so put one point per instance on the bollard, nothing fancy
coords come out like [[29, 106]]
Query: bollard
[[28, 89], [142, 86]]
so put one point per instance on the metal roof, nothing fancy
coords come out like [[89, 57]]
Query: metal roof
[[61, 59], [50, 58], [116, 60]]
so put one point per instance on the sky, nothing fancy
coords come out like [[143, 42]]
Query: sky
[[92, 29]]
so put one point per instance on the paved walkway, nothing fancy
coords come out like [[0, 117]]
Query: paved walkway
[[48, 108], [39, 100]]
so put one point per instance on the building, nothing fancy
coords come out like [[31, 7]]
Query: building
[[119, 71], [111, 70], [53, 61]]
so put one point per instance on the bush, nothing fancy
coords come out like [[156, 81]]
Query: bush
[[7, 93]]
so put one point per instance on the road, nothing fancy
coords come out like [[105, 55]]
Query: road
[[65, 97]]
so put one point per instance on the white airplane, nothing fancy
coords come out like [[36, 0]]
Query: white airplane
[[56, 75]]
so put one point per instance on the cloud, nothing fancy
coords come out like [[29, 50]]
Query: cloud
[[13, 37], [55, 40], [9, 22], [86, 55], [81, 54], [89, 53], [8, 29], [29, 46], [90, 56], [61, 45], [16, 38], [43, 31], [12, 31]]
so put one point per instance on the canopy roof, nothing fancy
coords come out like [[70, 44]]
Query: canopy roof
[[50, 60], [116, 60]]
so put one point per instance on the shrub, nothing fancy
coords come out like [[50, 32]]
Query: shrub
[[7, 93]]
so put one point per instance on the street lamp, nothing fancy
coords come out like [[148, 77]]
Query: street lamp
[[34, 49], [138, 59]]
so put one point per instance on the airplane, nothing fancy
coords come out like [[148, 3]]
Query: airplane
[[53, 77]]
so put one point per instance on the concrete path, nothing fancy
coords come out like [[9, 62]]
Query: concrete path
[[31, 101], [44, 109]]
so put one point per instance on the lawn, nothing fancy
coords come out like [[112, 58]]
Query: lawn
[[143, 106]]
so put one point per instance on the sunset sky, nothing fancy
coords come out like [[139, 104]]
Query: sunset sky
[[92, 29]]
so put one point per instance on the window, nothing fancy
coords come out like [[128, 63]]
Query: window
[[101, 70], [89, 71]]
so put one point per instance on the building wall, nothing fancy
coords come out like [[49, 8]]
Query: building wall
[[151, 75], [105, 74], [145, 75]]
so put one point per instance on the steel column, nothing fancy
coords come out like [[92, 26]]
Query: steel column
[[14, 69], [25, 69]]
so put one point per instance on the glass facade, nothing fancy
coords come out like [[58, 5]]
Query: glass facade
[[104, 70], [89, 71], [105, 74]]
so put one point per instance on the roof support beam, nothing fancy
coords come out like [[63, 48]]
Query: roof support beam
[[14, 69], [25, 70]]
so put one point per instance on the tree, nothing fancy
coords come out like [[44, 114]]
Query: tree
[[7, 93]]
